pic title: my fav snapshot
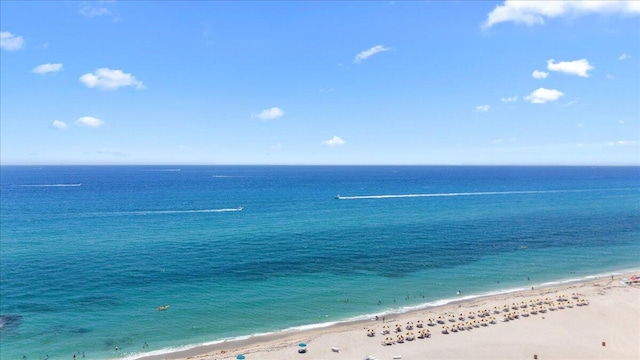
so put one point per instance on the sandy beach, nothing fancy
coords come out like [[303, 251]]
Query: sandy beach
[[596, 319]]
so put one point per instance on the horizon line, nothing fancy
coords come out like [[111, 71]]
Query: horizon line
[[337, 165]]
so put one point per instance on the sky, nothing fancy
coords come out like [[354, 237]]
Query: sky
[[320, 83]]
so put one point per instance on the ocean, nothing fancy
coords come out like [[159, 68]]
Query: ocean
[[88, 253]]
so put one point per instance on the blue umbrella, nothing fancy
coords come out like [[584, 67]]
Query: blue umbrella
[[302, 344], [240, 357]]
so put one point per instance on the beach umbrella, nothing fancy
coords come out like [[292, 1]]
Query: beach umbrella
[[302, 345], [409, 325], [240, 357]]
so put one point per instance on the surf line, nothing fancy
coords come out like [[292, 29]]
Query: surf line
[[480, 193]]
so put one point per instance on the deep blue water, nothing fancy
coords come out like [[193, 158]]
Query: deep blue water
[[88, 253]]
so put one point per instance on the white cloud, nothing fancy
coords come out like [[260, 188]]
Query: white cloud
[[539, 74], [535, 12], [10, 42], [94, 8], [542, 95], [46, 68], [622, 143], [57, 124], [610, 77], [108, 79], [370, 52], [510, 99], [270, 114], [624, 57], [334, 141], [482, 108], [576, 67], [89, 121]]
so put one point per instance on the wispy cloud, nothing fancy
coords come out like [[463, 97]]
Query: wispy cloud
[[577, 67], [93, 11], [47, 68], [542, 95], [107, 79], [624, 57], [572, 102], [112, 152], [334, 141], [536, 12], [100, 8], [482, 108], [510, 99], [269, 114], [537, 74], [89, 121], [10, 42], [59, 125], [622, 143], [369, 52]]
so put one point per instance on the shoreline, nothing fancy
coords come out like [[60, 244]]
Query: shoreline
[[276, 344]]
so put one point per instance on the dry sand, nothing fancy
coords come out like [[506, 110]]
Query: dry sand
[[607, 328]]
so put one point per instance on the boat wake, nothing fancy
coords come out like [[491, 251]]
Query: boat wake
[[166, 212], [53, 185], [479, 193]]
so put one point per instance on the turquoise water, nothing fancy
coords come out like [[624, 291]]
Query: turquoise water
[[87, 254]]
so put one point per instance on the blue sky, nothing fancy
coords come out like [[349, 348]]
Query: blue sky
[[294, 82]]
